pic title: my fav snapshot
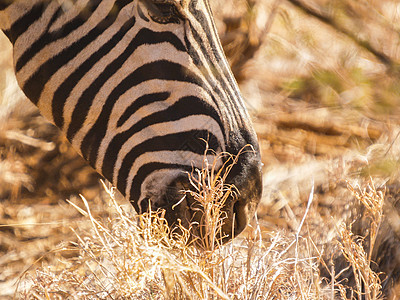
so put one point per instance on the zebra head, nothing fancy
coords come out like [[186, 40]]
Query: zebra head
[[137, 86], [207, 106]]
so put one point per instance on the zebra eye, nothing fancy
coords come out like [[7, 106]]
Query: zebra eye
[[164, 11]]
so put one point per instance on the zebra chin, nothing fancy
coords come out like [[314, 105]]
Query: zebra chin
[[236, 212]]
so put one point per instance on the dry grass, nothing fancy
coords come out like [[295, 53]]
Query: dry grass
[[359, 256], [128, 256], [137, 257]]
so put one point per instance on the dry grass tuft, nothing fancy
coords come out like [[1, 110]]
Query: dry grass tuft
[[127, 256], [209, 190], [356, 251], [138, 257]]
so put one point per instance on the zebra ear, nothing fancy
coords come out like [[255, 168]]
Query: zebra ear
[[164, 11]]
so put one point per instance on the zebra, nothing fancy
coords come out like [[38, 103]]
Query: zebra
[[136, 85]]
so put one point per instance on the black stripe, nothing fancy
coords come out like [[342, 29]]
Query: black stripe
[[38, 44], [205, 52], [7, 33], [217, 52], [5, 3], [183, 141], [204, 70], [216, 78], [144, 36], [156, 70], [222, 107], [184, 107], [22, 24], [120, 4], [141, 14], [33, 86], [140, 102], [224, 102], [163, 70], [210, 33], [64, 90], [143, 172]]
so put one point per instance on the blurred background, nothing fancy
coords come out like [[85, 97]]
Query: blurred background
[[321, 81]]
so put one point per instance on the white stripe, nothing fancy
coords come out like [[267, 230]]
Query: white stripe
[[15, 11], [71, 9], [55, 48], [167, 157], [161, 129], [144, 54], [231, 115], [45, 102]]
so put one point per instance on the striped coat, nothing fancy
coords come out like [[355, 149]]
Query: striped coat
[[136, 86]]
